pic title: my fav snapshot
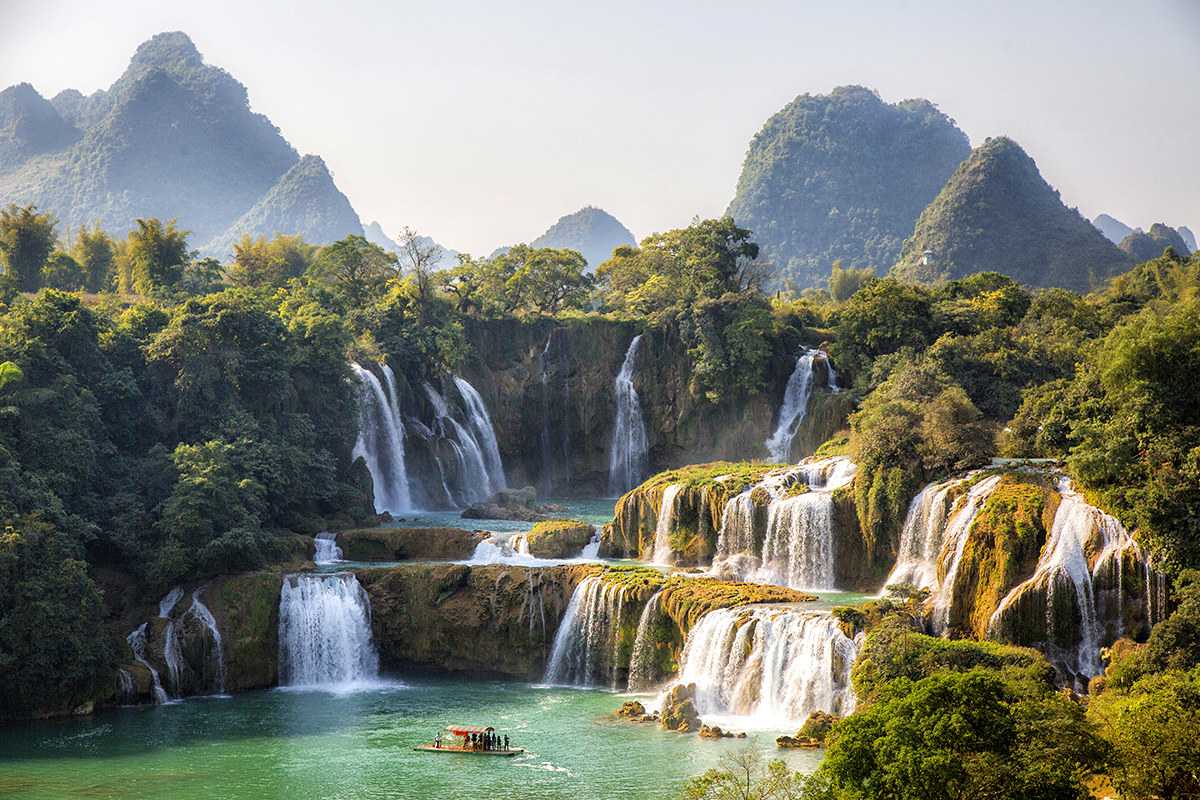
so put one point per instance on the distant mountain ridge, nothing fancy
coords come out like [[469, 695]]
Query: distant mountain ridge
[[843, 176], [1145, 246], [996, 212], [590, 231], [172, 137]]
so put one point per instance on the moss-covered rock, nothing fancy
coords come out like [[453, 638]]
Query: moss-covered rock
[[246, 609], [408, 544], [495, 619], [559, 538]]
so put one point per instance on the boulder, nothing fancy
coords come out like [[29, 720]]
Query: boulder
[[798, 740], [560, 538], [817, 726], [513, 504], [632, 708], [679, 710]]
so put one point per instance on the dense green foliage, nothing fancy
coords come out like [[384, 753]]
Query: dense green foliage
[[997, 213], [843, 176]]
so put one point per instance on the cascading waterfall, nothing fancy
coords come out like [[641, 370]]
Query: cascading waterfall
[[775, 664], [1078, 529], [200, 613], [642, 671], [663, 554], [480, 424], [934, 536], [206, 669], [381, 440], [628, 465], [325, 631], [137, 643], [793, 410], [798, 548], [171, 654], [327, 551], [585, 646]]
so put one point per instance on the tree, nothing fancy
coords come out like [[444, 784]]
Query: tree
[[742, 777], [95, 252], [254, 265], [355, 267], [543, 279], [465, 280], [844, 282], [158, 255], [63, 272], [26, 241]]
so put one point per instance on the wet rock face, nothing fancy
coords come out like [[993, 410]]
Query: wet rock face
[[496, 618], [513, 504], [408, 544], [679, 709]]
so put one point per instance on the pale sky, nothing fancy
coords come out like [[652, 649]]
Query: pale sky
[[480, 124]]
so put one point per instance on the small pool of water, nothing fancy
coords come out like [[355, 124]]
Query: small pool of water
[[597, 511]]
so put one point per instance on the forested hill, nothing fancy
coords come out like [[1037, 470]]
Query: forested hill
[[843, 176], [590, 231], [172, 137], [997, 213]]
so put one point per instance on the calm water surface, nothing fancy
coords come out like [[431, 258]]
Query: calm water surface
[[314, 744]]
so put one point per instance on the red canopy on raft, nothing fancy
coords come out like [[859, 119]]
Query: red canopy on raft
[[458, 730]]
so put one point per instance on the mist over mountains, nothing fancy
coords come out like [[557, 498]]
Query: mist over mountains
[[172, 137]]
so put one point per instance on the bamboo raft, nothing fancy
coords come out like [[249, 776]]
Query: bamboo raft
[[473, 741]]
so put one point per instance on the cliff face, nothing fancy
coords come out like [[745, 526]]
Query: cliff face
[[496, 619], [549, 389]]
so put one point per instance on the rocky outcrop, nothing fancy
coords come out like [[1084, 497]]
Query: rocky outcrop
[[513, 504], [558, 538], [493, 619], [409, 544]]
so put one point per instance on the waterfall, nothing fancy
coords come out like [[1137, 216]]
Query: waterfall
[[585, 651], [325, 631], [381, 440], [125, 684], [643, 673], [777, 664], [627, 466], [137, 643], [798, 548], [663, 554], [327, 551], [167, 604], [204, 672], [555, 358], [795, 406], [200, 613], [934, 536], [171, 654], [480, 424], [1078, 530]]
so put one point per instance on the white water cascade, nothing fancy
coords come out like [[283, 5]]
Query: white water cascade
[[137, 643], [642, 672], [934, 536], [381, 440], [325, 632], [667, 511], [795, 405], [480, 424], [1078, 529], [585, 646], [556, 406], [208, 674], [775, 664], [327, 551], [628, 465], [798, 547]]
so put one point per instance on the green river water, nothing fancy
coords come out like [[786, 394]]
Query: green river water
[[357, 745]]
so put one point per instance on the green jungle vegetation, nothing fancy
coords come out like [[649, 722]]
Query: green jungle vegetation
[[843, 176], [997, 209], [165, 417]]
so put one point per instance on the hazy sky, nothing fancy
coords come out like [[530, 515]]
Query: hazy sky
[[480, 124]]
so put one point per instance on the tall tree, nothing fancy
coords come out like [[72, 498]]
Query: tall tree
[[96, 253], [26, 241], [158, 254], [355, 267]]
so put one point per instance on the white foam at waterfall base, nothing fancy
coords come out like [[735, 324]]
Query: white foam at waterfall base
[[793, 409], [515, 551], [627, 466], [381, 441], [768, 666], [584, 652], [325, 633]]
